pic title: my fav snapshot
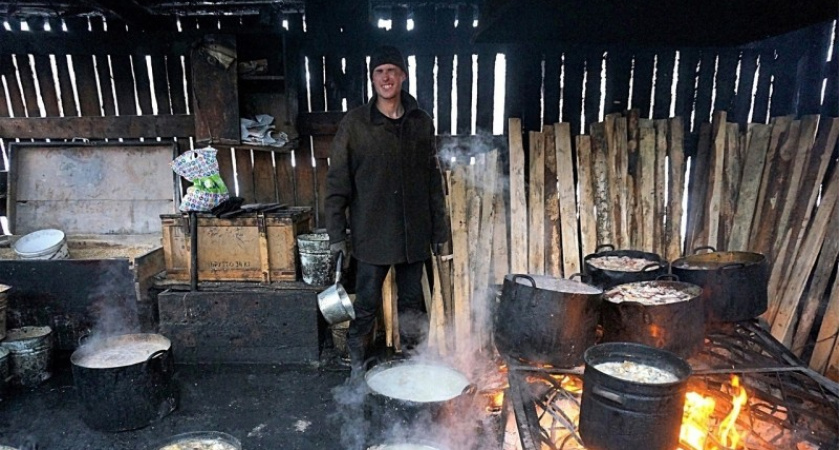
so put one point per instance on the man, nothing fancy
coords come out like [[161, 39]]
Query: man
[[384, 171]]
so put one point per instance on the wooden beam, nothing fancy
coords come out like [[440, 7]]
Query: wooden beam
[[113, 127], [568, 207], [536, 204], [676, 190], [826, 347], [588, 226], [518, 205], [551, 235], [754, 160]]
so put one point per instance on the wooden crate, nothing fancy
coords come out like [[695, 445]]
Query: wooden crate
[[107, 198], [251, 247]]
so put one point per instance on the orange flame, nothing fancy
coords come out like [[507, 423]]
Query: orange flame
[[698, 425]]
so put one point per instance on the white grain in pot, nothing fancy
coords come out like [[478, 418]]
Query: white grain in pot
[[647, 294], [200, 444], [637, 372], [621, 263], [125, 354], [418, 382]]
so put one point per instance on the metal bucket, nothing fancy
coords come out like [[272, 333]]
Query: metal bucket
[[315, 258], [30, 350], [3, 302], [42, 244]]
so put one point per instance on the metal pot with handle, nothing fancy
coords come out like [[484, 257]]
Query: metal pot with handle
[[648, 266], [734, 283], [334, 303]]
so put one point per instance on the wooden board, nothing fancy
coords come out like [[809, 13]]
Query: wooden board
[[518, 206], [697, 187], [264, 186], [91, 189], [586, 186], [660, 207], [481, 283], [601, 186], [460, 253], [778, 126], [676, 172], [785, 318], [568, 205], [748, 189], [826, 347], [214, 96], [551, 236], [646, 188], [632, 212], [714, 198], [536, 203], [615, 133], [111, 127], [733, 165]]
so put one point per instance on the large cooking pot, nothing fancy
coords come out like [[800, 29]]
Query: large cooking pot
[[406, 394], [546, 320], [631, 406], [125, 382], [734, 283], [606, 278], [662, 314]]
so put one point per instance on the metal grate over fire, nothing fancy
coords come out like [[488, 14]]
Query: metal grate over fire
[[747, 391]]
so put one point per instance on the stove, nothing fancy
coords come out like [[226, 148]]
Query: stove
[[788, 406]]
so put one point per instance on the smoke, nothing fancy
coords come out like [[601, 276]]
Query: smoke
[[114, 310]]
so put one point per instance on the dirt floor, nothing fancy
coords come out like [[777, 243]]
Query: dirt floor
[[265, 407]]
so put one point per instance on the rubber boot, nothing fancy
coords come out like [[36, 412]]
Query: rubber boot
[[357, 361]]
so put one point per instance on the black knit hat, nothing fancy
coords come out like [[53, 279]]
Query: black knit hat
[[387, 55]]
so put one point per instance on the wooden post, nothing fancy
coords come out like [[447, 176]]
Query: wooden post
[[676, 189], [586, 185], [568, 205], [536, 204], [754, 159], [552, 237], [646, 189], [518, 206]]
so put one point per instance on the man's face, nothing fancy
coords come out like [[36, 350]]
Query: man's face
[[387, 80]]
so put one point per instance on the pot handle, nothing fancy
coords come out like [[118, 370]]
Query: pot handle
[[584, 277], [609, 246], [83, 338], [731, 266], [655, 265], [339, 261], [157, 355], [533, 301], [608, 394], [668, 276], [705, 247]]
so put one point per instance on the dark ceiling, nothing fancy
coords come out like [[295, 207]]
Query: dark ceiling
[[647, 22]]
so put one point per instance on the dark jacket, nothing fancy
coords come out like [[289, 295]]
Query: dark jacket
[[389, 177]]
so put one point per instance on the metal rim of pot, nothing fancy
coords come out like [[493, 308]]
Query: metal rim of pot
[[717, 258], [208, 435], [638, 353]]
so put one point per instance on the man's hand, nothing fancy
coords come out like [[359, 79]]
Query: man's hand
[[337, 248], [441, 249]]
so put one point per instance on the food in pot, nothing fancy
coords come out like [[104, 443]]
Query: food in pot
[[621, 263], [418, 382], [647, 293], [125, 354], [201, 444], [637, 372], [401, 447]]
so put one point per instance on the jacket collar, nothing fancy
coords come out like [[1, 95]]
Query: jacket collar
[[408, 101]]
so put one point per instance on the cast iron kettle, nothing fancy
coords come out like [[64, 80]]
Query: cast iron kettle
[[126, 397], [546, 320], [618, 414], [606, 279], [734, 283]]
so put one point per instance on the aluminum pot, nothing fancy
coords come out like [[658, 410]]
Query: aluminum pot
[[619, 414], [125, 382], [404, 393], [678, 327], [606, 278], [334, 302], [546, 320], [734, 283]]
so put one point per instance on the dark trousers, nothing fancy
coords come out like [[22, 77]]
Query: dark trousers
[[414, 321]]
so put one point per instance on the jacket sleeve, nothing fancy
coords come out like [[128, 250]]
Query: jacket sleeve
[[339, 185], [441, 231]]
